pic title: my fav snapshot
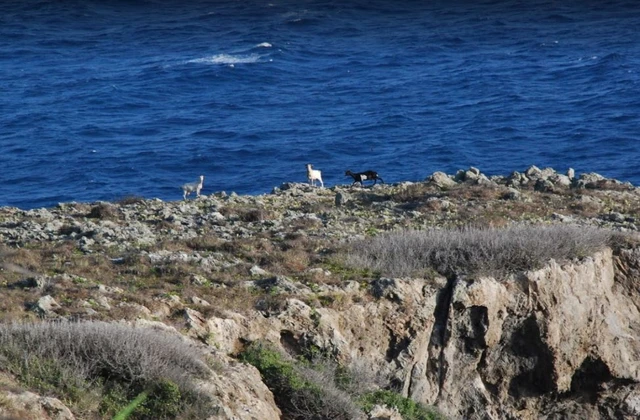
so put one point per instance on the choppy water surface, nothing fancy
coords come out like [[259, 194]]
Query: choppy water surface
[[101, 100]]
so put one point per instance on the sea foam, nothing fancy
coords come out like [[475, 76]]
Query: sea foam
[[227, 59]]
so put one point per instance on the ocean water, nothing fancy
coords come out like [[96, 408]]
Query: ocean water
[[104, 99]]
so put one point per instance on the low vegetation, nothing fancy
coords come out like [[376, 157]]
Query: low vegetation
[[319, 389], [408, 409], [300, 392], [99, 368], [488, 251]]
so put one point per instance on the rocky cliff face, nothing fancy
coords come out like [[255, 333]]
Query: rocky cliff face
[[559, 342]]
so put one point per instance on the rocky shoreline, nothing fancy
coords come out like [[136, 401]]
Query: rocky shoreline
[[227, 270]]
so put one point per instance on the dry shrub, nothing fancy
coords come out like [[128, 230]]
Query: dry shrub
[[254, 215], [475, 192], [236, 298], [29, 259], [295, 260], [205, 243], [130, 199], [304, 223], [316, 206], [104, 211], [74, 356], [415, 192], [90, 347], [473, 250], [69, 229]]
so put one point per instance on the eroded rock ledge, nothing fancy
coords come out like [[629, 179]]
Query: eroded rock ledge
[[560, 341]]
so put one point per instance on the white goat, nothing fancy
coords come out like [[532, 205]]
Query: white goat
[[314, 175], [193, 186]]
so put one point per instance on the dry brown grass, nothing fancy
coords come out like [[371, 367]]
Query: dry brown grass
[[239, 299], [467, 192], [247, 215], [304, 224], [30, 259], [129, 200], [105, 211], [415, 192]]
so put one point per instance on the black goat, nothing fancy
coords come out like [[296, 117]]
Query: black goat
[[364, 176]]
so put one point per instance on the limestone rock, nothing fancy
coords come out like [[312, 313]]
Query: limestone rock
[[135, 308], [480, 348], [543, 185], [535, 336], [29, 405], [240, 393], [560, 180], [516, 179], [46, 306], [512, 194], [533, 172], [382, 412], [441, 180], [257, 271]]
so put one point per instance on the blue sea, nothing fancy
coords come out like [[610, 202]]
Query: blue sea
[[100, 100]]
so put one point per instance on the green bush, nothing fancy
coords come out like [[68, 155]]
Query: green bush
[[47, 375], [163, 400], [301, 390], [408, 409]]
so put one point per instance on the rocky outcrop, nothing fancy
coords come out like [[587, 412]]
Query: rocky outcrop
[[554, 342], [239, 392], [23, 405], [563, 332]]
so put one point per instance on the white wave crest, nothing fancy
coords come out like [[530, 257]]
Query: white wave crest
[[264, 45], [227, 59]]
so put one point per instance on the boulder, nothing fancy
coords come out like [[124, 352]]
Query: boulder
[[23, 405], [543, 185], [46, 306], [441, 180], [516, 179]]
